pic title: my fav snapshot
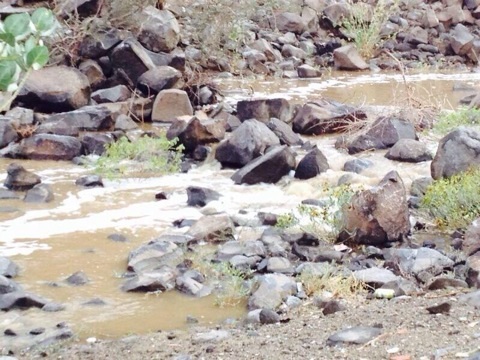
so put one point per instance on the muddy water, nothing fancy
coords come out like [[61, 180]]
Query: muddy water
[[52, 241]]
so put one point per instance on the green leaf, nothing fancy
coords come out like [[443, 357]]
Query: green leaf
[[7, 73], [8, 38], [43, 19], [37, 57], [30, 43], [17, 24]]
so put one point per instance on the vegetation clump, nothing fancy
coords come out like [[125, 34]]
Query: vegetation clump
[[146, 155], [463, 116], [453, 202]]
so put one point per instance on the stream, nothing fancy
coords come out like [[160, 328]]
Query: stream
[[51, 241]]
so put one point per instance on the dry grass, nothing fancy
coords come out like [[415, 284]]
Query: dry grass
[[24, 131]]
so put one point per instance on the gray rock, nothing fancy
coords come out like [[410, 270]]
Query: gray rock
[[213, 336], [191, 286], [441, 282], [462, 40], [457, 152], [268, 316], [131, 59], [20, 179], [159, 78], [357, 165], [246, 248], [89, 181], [159, 30], [40, 193], [50, 147], [271, 290], [212, 228], [289, 22], [348, 58], [96, 143], [7, 133], [420, 185], [8, 268], [199, 196], [20, 299], [125, 123], [94, 73], [21, 116], [53, 307], [402, 287], [78, 278], [88, 118], [111, 95], [154, 255], [307, 71], [409, 150], [312, 164], [265, 109], [279, 265], [160, 279], [471, 241], [247, 142], [284, 132], [7, 285], [354, 335], [268, 168], [170, 104], [59, 127], [8, 195], [375, 277], [472, 299]]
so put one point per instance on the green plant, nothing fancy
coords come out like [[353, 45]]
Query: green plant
[[233, 286], [156, 155], [22, 49], [463, 116], [453, 202], [364, 24]]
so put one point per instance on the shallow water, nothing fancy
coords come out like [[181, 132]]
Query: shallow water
[[52, 241]]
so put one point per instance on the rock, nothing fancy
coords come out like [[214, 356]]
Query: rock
[[19, 179], [284, 132], [77, 279], [88, 118], [97, 44], [43, 92], [271, 290], [21, 116], [37, 331], [234, 248], [409, 150], [8, 195], [131, 59], [279, 265], [348, 58], [20, 299], [159, 78], [402, 287], [472, 299], [372, 220], [93, 71], [264, 109], [420, 185], [53, 307], [247, 142], [125, 123], [268, 316], [50, 147], [89, 181], [213, 336], [440, 283], [324, 116], [311, 165], [160, 279], [7, 133], [307, 71], [154, 255], [212, 228], [170, 104], [59, 127], [462, 40], [117, 238], [190, 286], [40, 193], [195, 132], [354, 335], [330, 307], [7, 285], [96, 144], [159, 30], [471, 241], [289, 22], [199, 196], [457, 152], [8, 268], [114, 94], [443, 308], [375, 277], [269, 168], [357, 165]]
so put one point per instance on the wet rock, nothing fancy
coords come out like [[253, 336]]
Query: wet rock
[[96, 144], [199, 196], [19, 179], [188, 285], [348, 58], [59, 127], [112, 95], [154, 255], [354, 335], [50, 147], [117, 238], [43, 92], [212, 228], [9, 332], [37, 331], [443, 308], [21, 300], [53, 307], [159, 78], [7, 285], [312, 164], [125, 123], [457, 152], [324, 116], [160, 279], [271, 290], [8, 268], [357, 165], [194, 132], [269, 168], [420, 185], [445, 283], [268, 316], [159, 30], [21, 116], [284, 132], [88, 118], [264, 109], [472, 299], [409, 150], [213, 336], [7, 133], [375, 277], [170, 104], [95, 302], [462, 40], [78, 278], [8, 195], [89, 181], [247, 142], [307, 71], [371, 219], [40, 193]]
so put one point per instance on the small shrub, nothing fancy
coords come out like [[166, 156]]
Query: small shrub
[[233, 287], [463, 116], [364, 24], [453, 202], [145, 155]]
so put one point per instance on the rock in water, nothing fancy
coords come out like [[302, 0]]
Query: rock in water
[[20, 179]]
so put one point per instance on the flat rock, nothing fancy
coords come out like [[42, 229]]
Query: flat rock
[[354, 335], [409, 150], [213, 336], [375, 277], [40, 193], [20, 179], [20, 299]]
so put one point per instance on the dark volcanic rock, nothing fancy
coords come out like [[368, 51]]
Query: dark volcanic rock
[[8, 268], [264, 110], [88, 118], [96, 143], [311, 165], [284, 132], [271, 291], [409, 150], [20, 179], [7, 133], [40, 193], [161, 279], [77, 279], [154, 255], [199, 196], [20, 299], [89, 181], [159, 78], [50, 147]]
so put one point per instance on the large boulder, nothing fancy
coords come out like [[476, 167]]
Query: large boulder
[[130, 59], [200, 196], [159, 30], [311, 165], [348, 58], [20, 300], [8, 268], [20, 179], [264, 109], [50, 147], [40, 193], [88, 118], [409, 150], [457, 151], [289, 22], [7, 133], [159, 78], [170, 104], [271, 290], [284, 132], [44, 92], [212, 228], [325, 116], [461, 40], [154, 255], [246, 143], [379, 215], [268, 168], [160, 279]]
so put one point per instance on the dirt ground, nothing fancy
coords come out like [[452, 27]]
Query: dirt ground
[[409, 332]]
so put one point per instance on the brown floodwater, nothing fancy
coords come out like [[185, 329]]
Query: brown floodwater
[[52, 241]]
